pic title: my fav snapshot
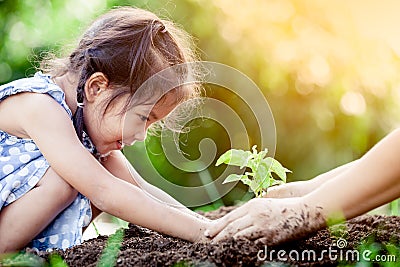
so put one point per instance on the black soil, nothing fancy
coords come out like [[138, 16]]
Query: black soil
[[341, 244]]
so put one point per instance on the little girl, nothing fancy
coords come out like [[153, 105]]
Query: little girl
[[61, 134]]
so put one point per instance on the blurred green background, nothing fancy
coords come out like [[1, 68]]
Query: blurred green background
[[329, 70]]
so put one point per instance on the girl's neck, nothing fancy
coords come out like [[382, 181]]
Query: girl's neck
[[67, 83]]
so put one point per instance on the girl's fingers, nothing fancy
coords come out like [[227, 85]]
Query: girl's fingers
[[232, 228], [216, 227], [221, 223]]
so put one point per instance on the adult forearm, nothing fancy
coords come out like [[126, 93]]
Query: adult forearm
[[368, 183], [302, 188], [324, 177]]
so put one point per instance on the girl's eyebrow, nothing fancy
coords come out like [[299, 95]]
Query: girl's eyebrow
[[153, 115]]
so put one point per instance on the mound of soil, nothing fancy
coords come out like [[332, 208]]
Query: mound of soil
[[143, 247]]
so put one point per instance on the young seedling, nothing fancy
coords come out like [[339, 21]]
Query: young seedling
[[262, 169]]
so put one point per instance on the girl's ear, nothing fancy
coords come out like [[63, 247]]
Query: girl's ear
[[96, 83]]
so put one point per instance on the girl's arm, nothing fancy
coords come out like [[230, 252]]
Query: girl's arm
[[302, 188], [48, 125], [120, 167], [370, 182]]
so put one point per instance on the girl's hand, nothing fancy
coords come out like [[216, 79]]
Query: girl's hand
[[270, 221], [202, 237]]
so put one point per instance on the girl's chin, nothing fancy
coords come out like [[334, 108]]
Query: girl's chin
[[105, 155], [105, 152], [119, 145], [109, 148]]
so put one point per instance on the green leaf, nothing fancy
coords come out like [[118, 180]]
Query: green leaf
[[261, 172], [110, 252], [246, 181], [276, 167], [260, 178], [262, 154], [275, 182], [235, 157], [56, 260], [233, 178], [254, 186], [252, 164], [266, 182]]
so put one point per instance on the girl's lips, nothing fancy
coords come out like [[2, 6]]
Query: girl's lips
[[119, 145]]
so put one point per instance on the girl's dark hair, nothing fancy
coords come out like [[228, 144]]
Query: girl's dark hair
[[128, 45]]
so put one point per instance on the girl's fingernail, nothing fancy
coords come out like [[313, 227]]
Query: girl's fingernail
[[207, 233]]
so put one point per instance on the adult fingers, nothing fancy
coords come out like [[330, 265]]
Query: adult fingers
[[232, 228], [278, 191], [251, 233], [263, 240], [221, 223]]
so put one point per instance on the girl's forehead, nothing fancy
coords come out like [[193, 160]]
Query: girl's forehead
[[156, 110]]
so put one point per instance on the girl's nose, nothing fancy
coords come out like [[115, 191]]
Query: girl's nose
[[141, 135]]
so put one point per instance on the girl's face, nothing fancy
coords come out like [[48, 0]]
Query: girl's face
[[113, 130]]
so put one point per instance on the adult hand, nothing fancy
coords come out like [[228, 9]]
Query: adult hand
[[270, 221], [293, 189]]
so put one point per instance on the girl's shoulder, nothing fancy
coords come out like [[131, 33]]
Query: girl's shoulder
[[39, 83]]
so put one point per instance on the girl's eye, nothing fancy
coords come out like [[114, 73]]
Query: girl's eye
[[144, 118]]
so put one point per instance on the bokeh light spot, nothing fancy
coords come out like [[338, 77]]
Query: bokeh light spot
[[353, 103]]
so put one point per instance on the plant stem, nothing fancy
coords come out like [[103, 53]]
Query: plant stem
[[95, 228]]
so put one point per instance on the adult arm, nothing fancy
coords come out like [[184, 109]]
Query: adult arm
[[370, 182], [302, 188]]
